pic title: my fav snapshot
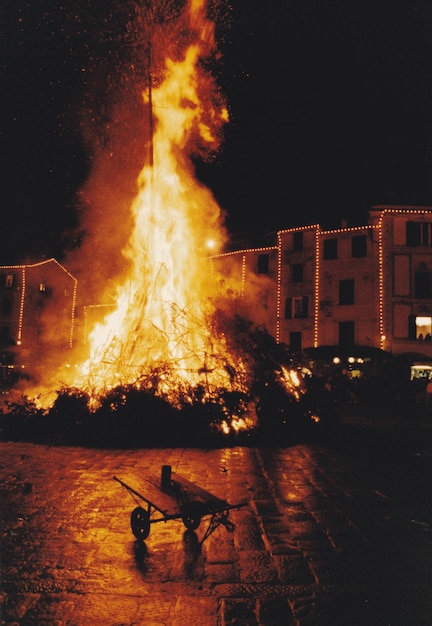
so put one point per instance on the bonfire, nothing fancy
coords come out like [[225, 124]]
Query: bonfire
[[168, 332]]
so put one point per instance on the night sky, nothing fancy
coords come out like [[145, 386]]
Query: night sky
[[330, 106]]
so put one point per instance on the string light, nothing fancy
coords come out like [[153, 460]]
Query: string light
[[381, 281], [21, 309], [24, 268], [383, 210], [243, 276], [317, 285], [278, 287]]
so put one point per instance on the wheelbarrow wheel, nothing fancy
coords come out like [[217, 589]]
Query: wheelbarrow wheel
[[192, 516], [140, 523], [191, 522]]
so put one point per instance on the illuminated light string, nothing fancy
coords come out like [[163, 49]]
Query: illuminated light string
[[243, 251], [243, 276], [318, 236], [349, 229], [390, 211], [382, 336], [24, 268], [317, 284], [278, 288], [407, 209], [21, 309], [299, 228], [74, 299]]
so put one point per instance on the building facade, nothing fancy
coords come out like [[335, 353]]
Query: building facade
[[368, 286], [365, 286], [37, 309]]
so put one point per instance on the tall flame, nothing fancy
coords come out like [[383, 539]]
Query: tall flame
[[164, 304]]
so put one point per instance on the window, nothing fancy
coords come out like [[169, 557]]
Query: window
[[6, 306], [420, 328], [295, 342], [296, 308], [263, 263], [298, 241], [5, 338], [9, 279], [300, 307], [45, 289], [358, 246], [346, 334], [330, 249], [422, 285], [346, 291], [418, 234], [297, 273]]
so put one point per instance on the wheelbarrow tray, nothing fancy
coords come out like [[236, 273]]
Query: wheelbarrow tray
[[176, 498]]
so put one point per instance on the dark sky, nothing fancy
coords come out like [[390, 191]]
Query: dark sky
[[330, 104]]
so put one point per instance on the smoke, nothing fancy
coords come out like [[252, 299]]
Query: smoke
[[143, 214], [117, 124], [145, 292]]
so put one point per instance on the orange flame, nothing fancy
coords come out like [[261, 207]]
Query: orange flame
[[163, 306]]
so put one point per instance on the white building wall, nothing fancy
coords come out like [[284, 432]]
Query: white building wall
[[385, 304]]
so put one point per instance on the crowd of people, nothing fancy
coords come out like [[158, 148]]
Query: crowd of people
[[387, 392]]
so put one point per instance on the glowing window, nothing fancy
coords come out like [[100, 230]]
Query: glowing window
[[423, 328], [9, 279]]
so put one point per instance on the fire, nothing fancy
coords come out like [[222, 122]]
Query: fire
[[164, 305], [169, 331]]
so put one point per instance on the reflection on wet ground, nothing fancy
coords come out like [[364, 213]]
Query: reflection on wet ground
[[333, 533]]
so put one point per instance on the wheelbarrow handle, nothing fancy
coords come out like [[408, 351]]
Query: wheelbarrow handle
[[129, 488]]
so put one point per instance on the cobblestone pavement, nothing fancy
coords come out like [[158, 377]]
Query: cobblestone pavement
[[336, 534]]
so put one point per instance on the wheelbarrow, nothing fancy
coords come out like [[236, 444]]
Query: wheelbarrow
[[176, 498]]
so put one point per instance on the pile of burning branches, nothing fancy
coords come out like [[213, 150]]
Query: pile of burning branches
[[271, 396]]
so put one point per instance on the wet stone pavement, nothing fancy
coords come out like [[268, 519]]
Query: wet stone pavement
[[334, 533]]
